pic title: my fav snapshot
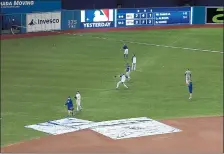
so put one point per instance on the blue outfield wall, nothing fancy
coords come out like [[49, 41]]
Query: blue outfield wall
[[199, 15], [113, 18]]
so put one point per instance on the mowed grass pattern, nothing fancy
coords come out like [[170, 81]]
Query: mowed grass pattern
[[37, 77]]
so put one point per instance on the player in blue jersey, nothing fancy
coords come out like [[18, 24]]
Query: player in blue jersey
[[70, 106], [125, 48], [190, 88], [128, 71]]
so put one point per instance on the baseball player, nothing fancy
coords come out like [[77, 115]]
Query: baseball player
[[188, 76], [70, 107], [78, 101], [125, 48], [190, 88], [128, 71], [122, 80], [133, 66]]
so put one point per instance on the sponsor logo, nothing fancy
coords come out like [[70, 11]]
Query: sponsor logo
[[215, 15], [115, 129], [43, 21], [15, 4], [100, 15], [101, 18]]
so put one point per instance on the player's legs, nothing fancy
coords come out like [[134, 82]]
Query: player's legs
[[69, 112], [79, 105], [72, 111], [134, 66], [126, 56], [125, 85], [190, 96], [128, 75], [118, 84], [187, 81], [126, 53], [190, 91]]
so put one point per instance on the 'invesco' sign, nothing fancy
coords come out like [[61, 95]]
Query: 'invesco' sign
[[43, 21], [48, 21]]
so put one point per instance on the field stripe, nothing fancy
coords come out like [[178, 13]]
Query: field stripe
[[152, 44]]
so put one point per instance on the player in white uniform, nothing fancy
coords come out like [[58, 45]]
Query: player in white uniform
[[128, 71], [133, 66], [125, 48], [188, 76], [78, 101], [123, 79]]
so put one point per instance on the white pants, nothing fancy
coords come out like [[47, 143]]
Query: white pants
[[133, 66], [118, 84], [126, 51], [78, 103], [128, 74]]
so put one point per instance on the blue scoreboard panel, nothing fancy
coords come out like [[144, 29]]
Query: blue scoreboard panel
[[152, 16]]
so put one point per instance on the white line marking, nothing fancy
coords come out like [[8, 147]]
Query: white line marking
[[166, 46], [157, 45]]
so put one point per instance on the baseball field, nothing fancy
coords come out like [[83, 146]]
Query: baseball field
[[39, 73]]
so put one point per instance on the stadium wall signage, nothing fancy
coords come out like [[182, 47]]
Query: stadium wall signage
[[48, 21], [214, 15], [26, 6]]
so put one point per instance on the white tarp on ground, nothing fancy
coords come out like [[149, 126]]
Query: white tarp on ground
[[115, 129]]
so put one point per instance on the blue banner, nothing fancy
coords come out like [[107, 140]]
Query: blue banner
[[14, 6]]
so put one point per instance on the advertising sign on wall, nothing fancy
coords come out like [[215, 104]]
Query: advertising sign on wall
[[28, 6], [48, 21], [16, 4], [102, 18], [214, 15]]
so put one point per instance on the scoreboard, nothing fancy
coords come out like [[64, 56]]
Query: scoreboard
[[152, 16]]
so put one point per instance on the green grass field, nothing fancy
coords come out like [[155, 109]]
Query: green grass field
[[37, 77]]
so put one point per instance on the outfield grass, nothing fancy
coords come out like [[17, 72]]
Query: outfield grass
[[37, 77]]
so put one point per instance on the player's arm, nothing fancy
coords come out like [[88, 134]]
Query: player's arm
[[117, 76]]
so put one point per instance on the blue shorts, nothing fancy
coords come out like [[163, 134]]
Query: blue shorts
[[70, 108], [190, 89]]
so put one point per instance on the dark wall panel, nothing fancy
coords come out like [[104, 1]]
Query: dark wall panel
[[88, 4], [149, 3], [210, 2], [97, 4]]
